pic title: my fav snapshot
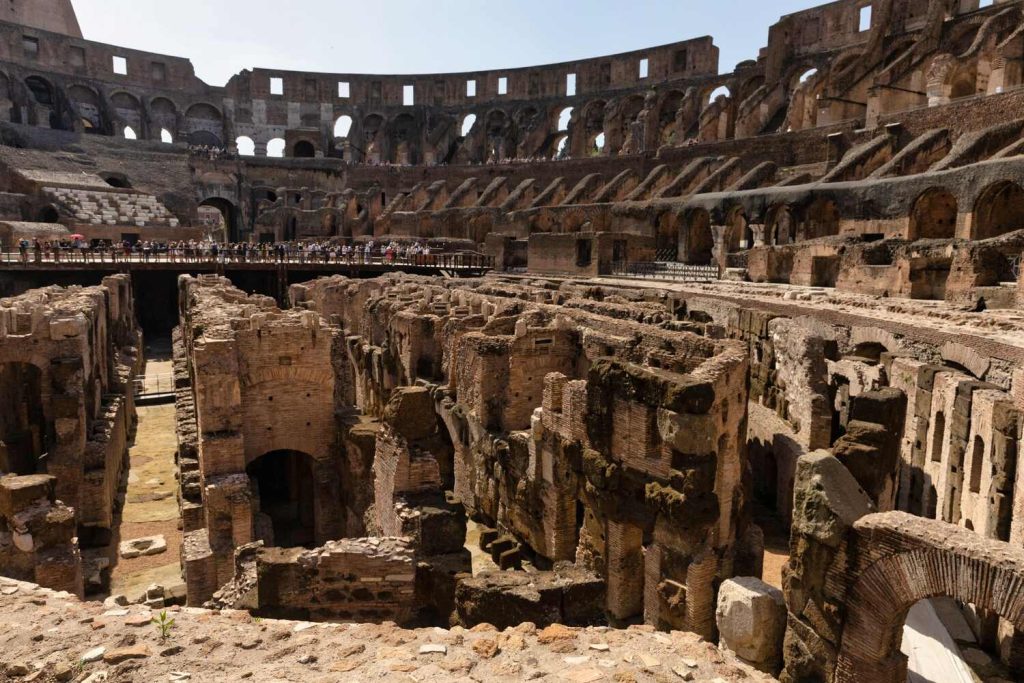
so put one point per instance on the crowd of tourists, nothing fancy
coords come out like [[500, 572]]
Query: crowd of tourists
[[417, 252]]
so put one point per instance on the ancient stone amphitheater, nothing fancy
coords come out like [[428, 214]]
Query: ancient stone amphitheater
[[622, 369]]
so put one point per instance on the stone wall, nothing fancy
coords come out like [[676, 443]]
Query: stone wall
[[68, 359], [38, 542]]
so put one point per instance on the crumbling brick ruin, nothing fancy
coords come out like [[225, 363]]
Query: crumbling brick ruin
[[67, 359], [743, 394]]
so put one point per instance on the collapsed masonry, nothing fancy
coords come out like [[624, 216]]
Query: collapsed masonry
[[366, 423], [67, 360]]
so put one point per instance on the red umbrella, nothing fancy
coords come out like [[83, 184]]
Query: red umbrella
[[78, 236]]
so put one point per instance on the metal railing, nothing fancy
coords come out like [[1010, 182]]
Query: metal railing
[[662, 270], [85, 257], [153, 385]]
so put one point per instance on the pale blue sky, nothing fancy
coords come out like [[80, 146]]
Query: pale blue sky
[[222, 37]]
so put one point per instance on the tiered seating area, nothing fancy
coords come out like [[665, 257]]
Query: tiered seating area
[[99, 207]]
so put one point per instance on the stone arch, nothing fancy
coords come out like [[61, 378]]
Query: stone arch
[[45, 101], [343, 126], [87, 106], [204, 125], [999, 209], [738, 235], [466, 125], [714, 91], [780, 226], [373, 134], [404, 140], [666, 236], [303, 149], [592, 121], [822, 219], [933, 215], [629, 109], [163, 115], [668, 129], [922, 559], [128, 111], [699, 241], [229, 211], [498, 127]]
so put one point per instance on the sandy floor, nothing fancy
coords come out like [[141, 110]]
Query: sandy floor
[[776, 545], [150, 505]]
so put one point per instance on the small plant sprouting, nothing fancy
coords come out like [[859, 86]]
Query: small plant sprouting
[[165, 624]]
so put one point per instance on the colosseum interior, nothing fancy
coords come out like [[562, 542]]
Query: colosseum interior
[[621, 369]]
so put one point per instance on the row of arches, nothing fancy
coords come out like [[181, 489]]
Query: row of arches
[[83, 108], [690, 237]]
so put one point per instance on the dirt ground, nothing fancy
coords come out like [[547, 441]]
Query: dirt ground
[[46, 636], [150, 507]]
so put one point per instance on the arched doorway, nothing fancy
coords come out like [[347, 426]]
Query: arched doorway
[[919, 559], [779, 230], [933, 215], [700, 241], [738, 235], [225, 229], [282, 484], [49, 214], [23, 437], [303, 149], [998, 210], [822, 219], [667, 237]]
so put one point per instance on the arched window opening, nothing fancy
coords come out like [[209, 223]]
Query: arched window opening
[[599, 143], [808, 75], [564, 118], [560, 147], [129, 133], [23, 428], [282, 482], [275, 148], [40, 89], [165, 136], [720, 91], [467, 124], [342, 126], [246, 146]]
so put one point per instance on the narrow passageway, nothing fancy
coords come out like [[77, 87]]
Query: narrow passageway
[[151, 508]]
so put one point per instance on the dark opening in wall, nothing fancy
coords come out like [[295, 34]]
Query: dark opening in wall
[[48, 214], [119, 180], [303, 150], [584, 249]]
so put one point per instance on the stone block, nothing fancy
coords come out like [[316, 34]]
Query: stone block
[[19, 492], [141, 547], [751, 619]]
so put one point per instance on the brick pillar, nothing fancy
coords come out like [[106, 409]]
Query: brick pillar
[[625, 566]]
